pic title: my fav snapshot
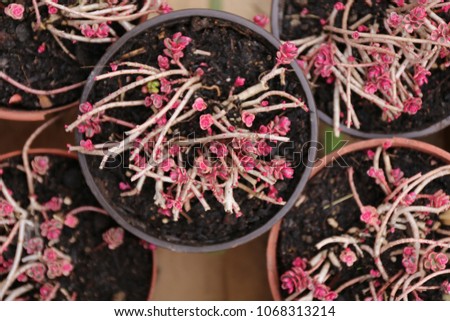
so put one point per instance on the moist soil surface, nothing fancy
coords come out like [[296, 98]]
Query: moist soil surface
[[436, 94], [99, 273], [234, 52], [19, 58], [306, 225]]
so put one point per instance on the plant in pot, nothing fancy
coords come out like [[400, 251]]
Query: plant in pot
[[372, 224], [196, 143], [56, 243], [378, 67], [49, 46]]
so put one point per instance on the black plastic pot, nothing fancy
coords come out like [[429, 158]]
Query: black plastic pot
[[270, 40], [276, 21]]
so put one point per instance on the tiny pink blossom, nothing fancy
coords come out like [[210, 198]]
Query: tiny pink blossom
[[87, 145], [51, 229], [163, 62], [394, 19], [248, 118], [165, 8], [15, 11], [206, 121], [348, 257], [286, 53], [261, 20], [445, 287], [86, 107], [40, 165], [87, 30], [375, 273], [387, 144], [167, 164], [300, 262], [281, 125], [439, 199], [102, 30], [6, 209], [157, 100], [37, 272], [415, 19], [113, 66], [123, 186], [323, 61], [435, 261], [34, 245], [239, 82], [412, 105], [50, 255], [113, 237], [362, 28], [384, 82], [397, 175], [52, 10], [54, 204], [339, 6], [370, 154], [355, 35], [370, 216], [409, 199], [45, 291], [66, 268], [41, 48], [409, 260], [420, 75], [71, 221], [304, 12], [199, 104]]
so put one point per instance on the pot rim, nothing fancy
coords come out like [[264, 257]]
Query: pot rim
[[397, 142], [32, 115], [63, 153], [168, 18], [276, 17]]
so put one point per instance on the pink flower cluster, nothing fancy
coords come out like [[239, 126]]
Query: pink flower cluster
[[40, 165], [415, 19], [95, 30], [348, 257], [297, 280], [51, 229], [323, 61], [114, 237], [287, 53], [370, 216]]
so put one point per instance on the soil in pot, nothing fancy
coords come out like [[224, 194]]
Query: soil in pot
[[224, 51], [36, 60], [435, 98], [329, 210], [97, 272]]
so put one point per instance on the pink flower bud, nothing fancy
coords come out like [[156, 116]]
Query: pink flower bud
[[348, 257], [87, 145], [239, 82], [15, 11], [412, 105], [86, 107], [54, 204], [286, 53], [163, 62], [206, 121], [124, 186], [71, 221], [339, 6], [261, 20], [41, 48], [40, 165], [248, 118], [199, 104]]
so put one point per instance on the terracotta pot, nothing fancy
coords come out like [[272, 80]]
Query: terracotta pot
[[63, 153], [270, 40], [276, 19], [271, 253]]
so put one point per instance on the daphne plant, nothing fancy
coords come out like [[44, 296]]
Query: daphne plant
[[402, 243], [224, 152], [385, 64], [86, 21], [32, 258]]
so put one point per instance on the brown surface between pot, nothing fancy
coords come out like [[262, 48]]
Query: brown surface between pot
[[271, 253], [62, 153], [268, 41], [276, 28]]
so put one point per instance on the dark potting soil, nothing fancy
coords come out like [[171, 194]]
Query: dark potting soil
[[305, 226], [234, 52], [99, 273], [436, 94], [19, 58]]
